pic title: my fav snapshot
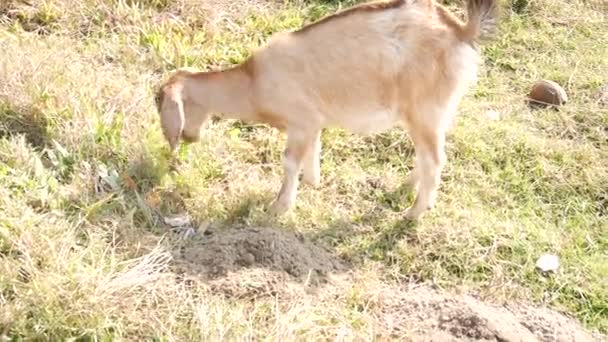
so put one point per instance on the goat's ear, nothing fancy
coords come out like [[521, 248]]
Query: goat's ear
[[172, 118]]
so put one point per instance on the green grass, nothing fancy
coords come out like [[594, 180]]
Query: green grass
[[80, 259]]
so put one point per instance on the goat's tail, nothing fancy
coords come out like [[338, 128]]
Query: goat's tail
[[482, 16]]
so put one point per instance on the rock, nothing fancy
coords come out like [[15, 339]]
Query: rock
[[547, 93], [177, 220], [548, 263], [493, 114]]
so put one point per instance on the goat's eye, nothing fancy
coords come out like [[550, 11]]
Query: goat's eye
[[157, 99]]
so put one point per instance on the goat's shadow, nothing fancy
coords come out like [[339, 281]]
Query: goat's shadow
[[383, 241], [275, 241]]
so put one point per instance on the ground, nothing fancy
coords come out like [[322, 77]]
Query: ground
[[91, 246]]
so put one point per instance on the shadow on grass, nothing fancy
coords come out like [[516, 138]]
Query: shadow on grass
[[382, 240], [27, 121], [274, 240], [377, 244]]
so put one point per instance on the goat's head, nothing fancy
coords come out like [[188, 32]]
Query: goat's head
[[180, 118]]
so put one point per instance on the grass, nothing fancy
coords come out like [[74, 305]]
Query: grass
[[83, 172]]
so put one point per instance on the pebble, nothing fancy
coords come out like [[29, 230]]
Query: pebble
[[548, 263]]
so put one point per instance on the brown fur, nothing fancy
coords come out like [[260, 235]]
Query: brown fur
[[382, 64], [272, 120], [452, 22], [361, 8]]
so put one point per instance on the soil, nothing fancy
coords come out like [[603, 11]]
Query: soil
[[254, 262], [433, 315], [217, 254]]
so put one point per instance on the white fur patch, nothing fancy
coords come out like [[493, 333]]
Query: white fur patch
[[370, 122]]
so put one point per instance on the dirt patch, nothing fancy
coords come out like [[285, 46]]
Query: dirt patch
[[282, 266], [433, 315], [550, 325], [255, 260]]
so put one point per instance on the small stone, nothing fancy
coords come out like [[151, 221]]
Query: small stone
[[177, 220], [548, 263], [547, 93], [493, 114]]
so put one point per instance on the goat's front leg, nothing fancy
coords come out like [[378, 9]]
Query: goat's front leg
[[430, 159], [311, 173], [413, 179], [298, 144]]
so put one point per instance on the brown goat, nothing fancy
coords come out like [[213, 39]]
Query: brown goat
[[366, 69]]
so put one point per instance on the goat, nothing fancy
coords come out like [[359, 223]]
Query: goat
[[366, 69]]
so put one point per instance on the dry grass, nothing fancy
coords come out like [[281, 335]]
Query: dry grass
[[84, 177]]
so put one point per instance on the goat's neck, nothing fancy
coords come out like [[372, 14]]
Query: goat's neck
[[226, 93]]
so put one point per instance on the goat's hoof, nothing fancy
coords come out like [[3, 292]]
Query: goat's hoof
[[312, 182], [278, 208], [412, 214]]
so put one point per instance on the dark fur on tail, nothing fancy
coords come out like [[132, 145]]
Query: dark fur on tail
[[482, 19]]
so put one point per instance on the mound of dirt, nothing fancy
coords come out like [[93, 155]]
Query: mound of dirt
[[432, 315], [218, 253], [267, 263]]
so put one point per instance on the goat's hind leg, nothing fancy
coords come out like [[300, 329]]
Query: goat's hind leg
[[311, 168]]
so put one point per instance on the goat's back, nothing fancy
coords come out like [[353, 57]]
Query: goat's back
[[384, 62]]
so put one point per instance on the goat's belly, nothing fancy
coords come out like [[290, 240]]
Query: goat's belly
[[367, 123]]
